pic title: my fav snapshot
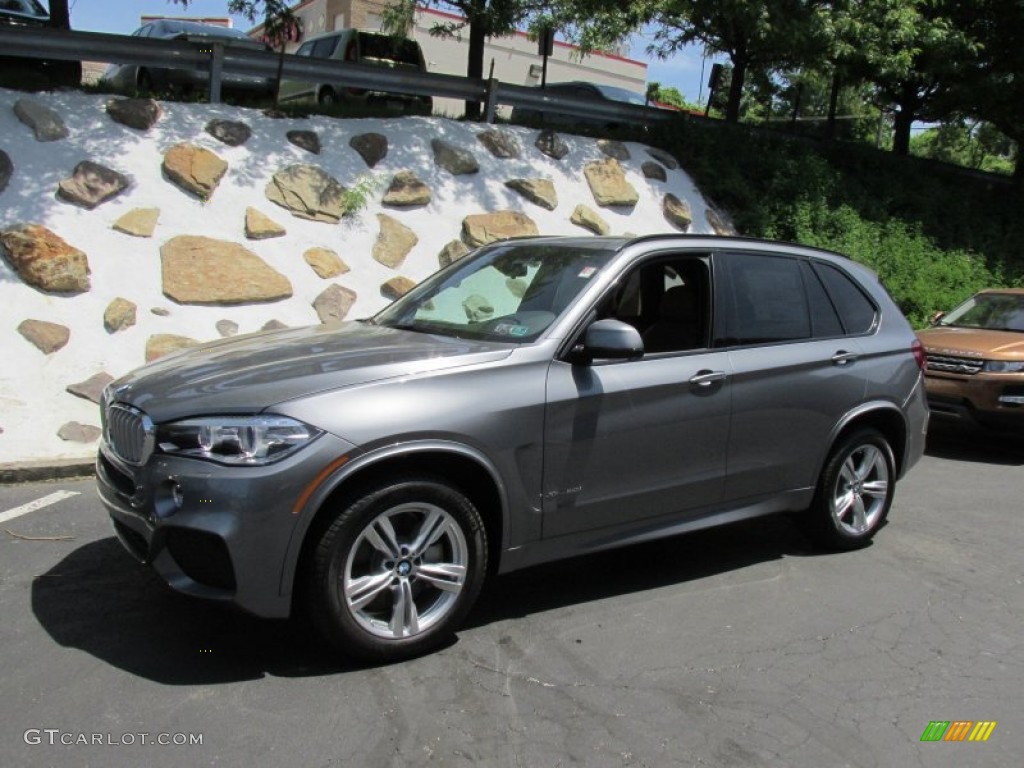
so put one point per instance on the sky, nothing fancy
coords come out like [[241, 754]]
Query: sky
[[682, 71]]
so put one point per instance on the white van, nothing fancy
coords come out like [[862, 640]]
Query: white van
[[364, 47]]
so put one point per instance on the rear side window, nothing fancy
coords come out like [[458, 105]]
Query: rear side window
[[856, 310], [824, 318], [768, 300], [395, 49]]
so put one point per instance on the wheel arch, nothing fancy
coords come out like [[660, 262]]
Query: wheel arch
[[464, 467], [883, 417]]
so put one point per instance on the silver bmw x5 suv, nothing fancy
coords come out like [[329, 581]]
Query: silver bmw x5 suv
[[537, 399]]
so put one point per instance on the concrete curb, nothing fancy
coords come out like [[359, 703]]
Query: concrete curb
[[39, 471]]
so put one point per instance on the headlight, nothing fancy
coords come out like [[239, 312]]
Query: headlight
[[235, 440], [1003, 366]]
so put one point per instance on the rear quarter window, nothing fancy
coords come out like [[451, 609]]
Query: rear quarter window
[[857, 312]]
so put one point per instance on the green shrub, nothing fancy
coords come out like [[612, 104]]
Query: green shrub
[[933, 234]]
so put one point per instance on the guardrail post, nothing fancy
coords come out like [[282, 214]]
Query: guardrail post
[[492, 100], [216, 71]]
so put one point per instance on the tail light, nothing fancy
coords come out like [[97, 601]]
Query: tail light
[[917, 349]]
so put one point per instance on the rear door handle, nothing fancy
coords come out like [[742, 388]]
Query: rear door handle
[[842, 357], [707, 378]]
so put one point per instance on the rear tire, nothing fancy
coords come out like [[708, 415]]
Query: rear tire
[[394, 574], [327, 97], [854, 492]]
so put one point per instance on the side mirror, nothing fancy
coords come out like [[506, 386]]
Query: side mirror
[[608, 340], [934, 319]]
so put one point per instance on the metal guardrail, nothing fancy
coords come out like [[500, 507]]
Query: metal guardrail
[[220, 59]]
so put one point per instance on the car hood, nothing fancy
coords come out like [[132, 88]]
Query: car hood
[[973, 342], [250, 373]]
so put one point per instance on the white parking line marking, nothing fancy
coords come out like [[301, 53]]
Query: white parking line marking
[[32, 506]]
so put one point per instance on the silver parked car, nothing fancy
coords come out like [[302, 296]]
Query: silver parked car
[[139, 77], [540, 398]]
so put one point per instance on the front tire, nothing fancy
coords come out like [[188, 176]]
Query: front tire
[[395, 573], [854, 492]]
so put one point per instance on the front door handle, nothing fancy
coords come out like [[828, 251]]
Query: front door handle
[[842, 357], [707, 378]]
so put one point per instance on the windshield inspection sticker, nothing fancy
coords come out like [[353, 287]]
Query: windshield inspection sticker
[[587, 272], [511, 329]]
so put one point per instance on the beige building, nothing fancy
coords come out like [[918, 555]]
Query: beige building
[[514, 58]]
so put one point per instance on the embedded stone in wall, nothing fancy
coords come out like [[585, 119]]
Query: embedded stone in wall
[[259, 226], [140, 114], [664, 158], [586, 217], [46, 124], [500, 143], [161, 344], [483, 228], [614, 148], [92, 388], [608, 184], [538, 191], [194, 169], [397, 287], [274, 325], [139, 222], [677, 212], [160, 311], [202, 270], [307, 140], [407, 190], [229, 132], [719, 223], [372, 147], [119, 314], [653, 170], [308, 192], [325, 262], [91, 184], [334, 303], [551, 144], [226, 328], [44, 260], [454, 251], [76, 432], [6, 170], [394, 242], [47, 337], [455, 160]]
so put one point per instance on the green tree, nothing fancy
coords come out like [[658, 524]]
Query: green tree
[[762, 35], [484, 18], [992, 86]]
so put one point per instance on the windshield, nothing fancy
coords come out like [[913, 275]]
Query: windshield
[[621, 94], [508, 292], [991, 311]]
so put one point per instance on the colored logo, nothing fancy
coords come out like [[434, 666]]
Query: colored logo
[[958, 730]]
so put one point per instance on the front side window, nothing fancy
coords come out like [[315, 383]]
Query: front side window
[[667, 301], [507, 292]]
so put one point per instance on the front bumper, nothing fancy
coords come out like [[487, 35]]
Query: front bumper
[[984, 399], [211, 530]]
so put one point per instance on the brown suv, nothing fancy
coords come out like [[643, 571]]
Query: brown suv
[[976, 360]]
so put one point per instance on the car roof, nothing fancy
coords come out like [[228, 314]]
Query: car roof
[[195, 27], [1012, 291]]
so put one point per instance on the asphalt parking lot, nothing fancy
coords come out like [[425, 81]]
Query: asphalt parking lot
[[740, 646]]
